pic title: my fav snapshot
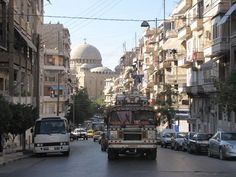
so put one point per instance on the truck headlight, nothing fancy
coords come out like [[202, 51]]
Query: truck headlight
[[113, 135]]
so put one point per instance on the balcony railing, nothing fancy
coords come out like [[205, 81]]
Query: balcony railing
[[184, 32], [196, 24], [184, 63], [183, 6]]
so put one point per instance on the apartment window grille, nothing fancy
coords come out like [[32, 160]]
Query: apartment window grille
[[215, 31]]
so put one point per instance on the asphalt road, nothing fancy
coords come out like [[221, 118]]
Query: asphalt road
[[86, 160]]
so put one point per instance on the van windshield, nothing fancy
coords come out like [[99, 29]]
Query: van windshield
[[50, 127]]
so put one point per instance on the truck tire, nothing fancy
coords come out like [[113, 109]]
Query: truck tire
[[67, 153], [111, 154], [152, 154]]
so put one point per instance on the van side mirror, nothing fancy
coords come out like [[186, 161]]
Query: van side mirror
[[31, 130]]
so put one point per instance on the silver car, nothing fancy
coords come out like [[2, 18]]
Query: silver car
[[223, 144]]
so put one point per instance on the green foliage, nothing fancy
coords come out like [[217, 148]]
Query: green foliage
[[83, 107], [165, 103], [5, 115], [226, 97], [22, 118]]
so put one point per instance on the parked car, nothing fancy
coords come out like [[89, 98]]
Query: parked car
[[73, 136], [187, 138], [223, 144], [104, 141], [97, 135], [166, 137], [177, 140], [90, 133], [199, 143], [80, 133]]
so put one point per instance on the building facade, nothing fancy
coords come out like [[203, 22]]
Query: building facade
[[19, 40], [55, 85]]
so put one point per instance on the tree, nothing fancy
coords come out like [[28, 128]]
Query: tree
[[165, 104], [5, 117], [226, 97], [83, 107], [22, 119]]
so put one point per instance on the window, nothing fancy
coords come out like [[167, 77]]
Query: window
[[215, 31], [3, 29]]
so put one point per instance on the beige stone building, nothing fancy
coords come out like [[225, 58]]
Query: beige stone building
[[192, 49], [87, 70], [55, 86]]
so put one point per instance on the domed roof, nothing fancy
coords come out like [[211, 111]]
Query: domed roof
[[101, 69], [88, 66], [85, 51]]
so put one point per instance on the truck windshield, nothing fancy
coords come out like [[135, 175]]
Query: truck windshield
[[50, 127], [132, 117]]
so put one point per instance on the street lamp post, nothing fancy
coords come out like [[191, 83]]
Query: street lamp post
[[58, 99]]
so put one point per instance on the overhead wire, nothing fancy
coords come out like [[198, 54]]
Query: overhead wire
[[90, 8], [105, 8]]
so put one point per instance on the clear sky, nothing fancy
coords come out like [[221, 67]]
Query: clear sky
[[108, 36]]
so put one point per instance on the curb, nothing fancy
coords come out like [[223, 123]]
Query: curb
[[17, 157]]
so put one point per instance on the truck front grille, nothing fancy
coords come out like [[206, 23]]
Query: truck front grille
[[132, 136]]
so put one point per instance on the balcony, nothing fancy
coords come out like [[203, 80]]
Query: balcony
[[219, 6], [219, 45], [62, 98], [149, 32], [171, 34], [184, 32], [185, 63], [147, 49], [196, 25], [183, 6], [170, 57], [197, 56], [167, 64], [53, 67], [195, 90]]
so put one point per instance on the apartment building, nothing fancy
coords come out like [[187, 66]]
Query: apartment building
[[194, 48], [19, 41], [55, 86], [209, 32]]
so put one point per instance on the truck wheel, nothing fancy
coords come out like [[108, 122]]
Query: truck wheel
[[67, 153], [152, 154], [111, 155]]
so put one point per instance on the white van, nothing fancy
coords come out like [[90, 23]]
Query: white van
[[51, 135]]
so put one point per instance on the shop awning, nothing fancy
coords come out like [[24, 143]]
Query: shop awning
[[55, 87], [227, 15], [28, 41], [172, 43]]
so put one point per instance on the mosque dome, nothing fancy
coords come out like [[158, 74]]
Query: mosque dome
[[101, 69], [86, 52], [88, 66]]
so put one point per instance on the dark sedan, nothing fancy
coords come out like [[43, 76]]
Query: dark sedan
[[199, 143]]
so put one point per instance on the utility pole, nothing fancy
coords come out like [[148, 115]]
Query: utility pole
[[58, 99]]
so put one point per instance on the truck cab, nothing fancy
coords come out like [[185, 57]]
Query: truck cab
[[131, 127]]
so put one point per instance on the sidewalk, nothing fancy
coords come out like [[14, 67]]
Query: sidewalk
[[6, 158]]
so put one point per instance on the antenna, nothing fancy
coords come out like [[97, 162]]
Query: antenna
[[124, 47]]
